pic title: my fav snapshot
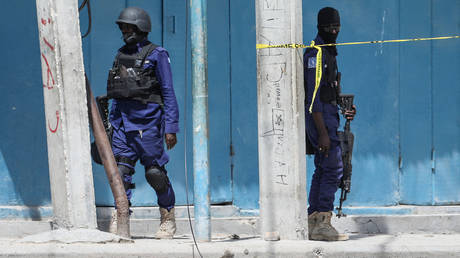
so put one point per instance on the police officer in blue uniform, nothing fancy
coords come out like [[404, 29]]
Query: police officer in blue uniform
[[321, 128], [144, 113]]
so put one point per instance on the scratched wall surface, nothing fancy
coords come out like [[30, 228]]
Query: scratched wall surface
[[407, 97], [281, 126]]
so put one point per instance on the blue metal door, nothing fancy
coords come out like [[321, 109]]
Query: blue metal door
[[416, 135], [174, 39], [371, 73], [429, 93], [168, 30], [407, 128], [446, 103], [99, 49]]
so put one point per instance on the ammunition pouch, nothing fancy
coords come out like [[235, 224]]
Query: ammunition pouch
[[129, 80], [143, 88]]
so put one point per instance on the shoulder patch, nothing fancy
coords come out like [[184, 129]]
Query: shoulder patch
[[311, 62]]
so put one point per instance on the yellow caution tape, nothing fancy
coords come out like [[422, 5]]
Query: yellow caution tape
[[319, 69], [319, 73], [261, 46]]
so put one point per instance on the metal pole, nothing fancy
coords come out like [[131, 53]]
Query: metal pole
[[281, 121], [200, 120], [110, 165]]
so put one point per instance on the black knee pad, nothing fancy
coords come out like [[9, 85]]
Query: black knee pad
[[124, 170], [157, 178]]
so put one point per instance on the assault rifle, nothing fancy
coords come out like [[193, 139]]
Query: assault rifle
[[346, 138], [102, 103]]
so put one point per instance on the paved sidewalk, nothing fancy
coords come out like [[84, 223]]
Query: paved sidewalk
[[407, 246]]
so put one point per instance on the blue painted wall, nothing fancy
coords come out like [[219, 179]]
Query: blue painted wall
[[407, 130], [244, 104], [371, 72], [168, 30], [24, 179]]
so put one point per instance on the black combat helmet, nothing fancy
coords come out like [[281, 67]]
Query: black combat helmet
[[135, 16]]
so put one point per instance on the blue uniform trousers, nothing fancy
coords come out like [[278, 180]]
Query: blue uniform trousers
[[326, 179], [147, 146]]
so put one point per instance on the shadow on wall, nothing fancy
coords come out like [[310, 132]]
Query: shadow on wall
[[23, 151]]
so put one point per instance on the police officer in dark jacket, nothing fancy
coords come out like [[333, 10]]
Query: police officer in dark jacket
[[144, 112], [321, 128]]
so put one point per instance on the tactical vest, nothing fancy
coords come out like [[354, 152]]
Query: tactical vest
[[128, 80], [329, 91]]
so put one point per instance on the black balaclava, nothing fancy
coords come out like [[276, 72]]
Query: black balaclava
[[328, 16], [132, 38]]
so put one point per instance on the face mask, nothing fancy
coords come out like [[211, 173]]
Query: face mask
[[328, 37], [131, 38]]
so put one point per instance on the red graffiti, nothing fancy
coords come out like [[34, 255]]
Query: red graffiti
[[49, 74], [48, 44], [45, 21], [57, 123]]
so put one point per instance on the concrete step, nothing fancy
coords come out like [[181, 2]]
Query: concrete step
[[229, 220], [365, 220]]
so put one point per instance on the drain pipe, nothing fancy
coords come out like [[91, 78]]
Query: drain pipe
[[110, 166], [200, 120]]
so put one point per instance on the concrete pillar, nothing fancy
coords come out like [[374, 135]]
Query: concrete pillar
[[281, 126], [72, 189]]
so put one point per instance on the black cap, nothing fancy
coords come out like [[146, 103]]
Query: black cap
[[328, 15]]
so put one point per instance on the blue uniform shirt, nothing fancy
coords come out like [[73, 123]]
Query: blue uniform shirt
[[134, 115], [329, 111]]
